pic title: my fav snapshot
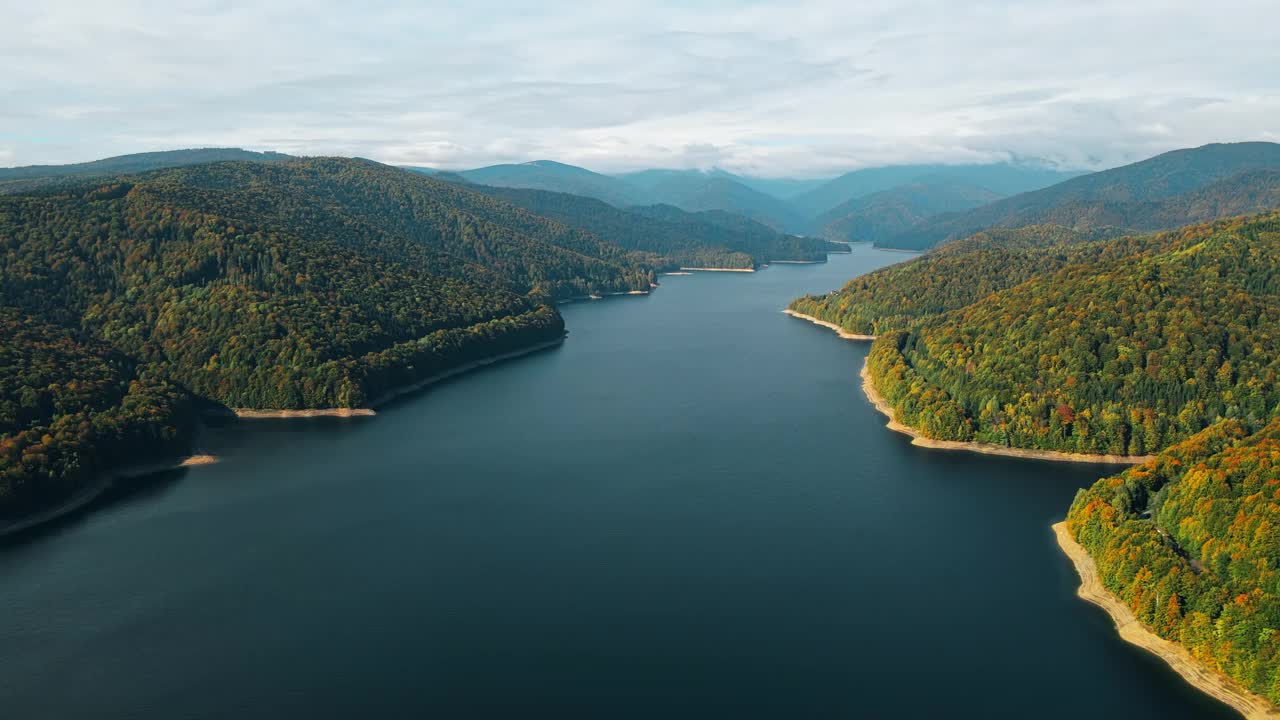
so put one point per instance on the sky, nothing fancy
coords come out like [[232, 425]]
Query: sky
[[807, 88]]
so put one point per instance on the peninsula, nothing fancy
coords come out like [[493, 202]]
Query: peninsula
[[1252, 706]]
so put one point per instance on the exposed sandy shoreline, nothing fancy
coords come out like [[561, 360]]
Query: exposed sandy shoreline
[[921, 440], [254, 414], [839, 330], [94, 491], [582, 298], [1203, 678], [698, 269]]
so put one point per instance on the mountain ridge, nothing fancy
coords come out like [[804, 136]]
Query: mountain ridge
[[1147, 193]]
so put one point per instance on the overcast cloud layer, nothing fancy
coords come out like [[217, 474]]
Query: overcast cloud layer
[[804, 88]]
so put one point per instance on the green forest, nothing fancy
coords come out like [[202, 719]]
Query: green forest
[[1190, 542], [129, 303], [953, 276], [72, 408], [1120, 347]]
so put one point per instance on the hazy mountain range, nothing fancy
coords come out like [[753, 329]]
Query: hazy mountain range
[[798, 206], [1166, 191], [908, 206]]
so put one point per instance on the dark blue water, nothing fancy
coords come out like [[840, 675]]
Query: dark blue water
[[688, 510]]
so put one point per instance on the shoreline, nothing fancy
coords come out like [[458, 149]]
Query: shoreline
[[89, 494], [797, 262], [921, 440], [711, 269], [95, 490], [583, 298], [465, 368], [1131, 630], [269, 414], [278, 414], [839, 330]]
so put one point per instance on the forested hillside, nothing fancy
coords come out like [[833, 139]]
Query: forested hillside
[[1121, 355], [72, 408], [1167, 191], [955, 275], [28, 178], [353, 200], [299, 284], [1190, 542], [1120, 347]]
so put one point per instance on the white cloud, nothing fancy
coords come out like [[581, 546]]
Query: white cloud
[[809, 87]]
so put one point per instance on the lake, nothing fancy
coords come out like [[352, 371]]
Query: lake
[[687, 510]]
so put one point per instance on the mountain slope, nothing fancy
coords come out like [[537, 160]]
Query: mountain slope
[[1124, 354], [535, 254], [21, 179], [558, 177], [1176, 188], [783, 188], [676, 237], [72, 408], [739, 232], [1001, 179], [695, 191], [1189, 542], [956, 275], [881, 215]]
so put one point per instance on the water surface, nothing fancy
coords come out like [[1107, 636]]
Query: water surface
[[688, 510]]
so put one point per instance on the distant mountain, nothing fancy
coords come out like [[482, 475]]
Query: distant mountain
[[1176, 188], [695, 191], [783, 188], [445, 175], [1000, 178], [19, 179], [558, 177], [785, 204], [881, 215], [675, 237], [760, 240]]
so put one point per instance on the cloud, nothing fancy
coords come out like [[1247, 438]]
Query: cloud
[[811, 87]]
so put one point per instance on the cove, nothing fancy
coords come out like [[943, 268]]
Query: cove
[[688, 509]]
